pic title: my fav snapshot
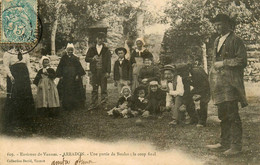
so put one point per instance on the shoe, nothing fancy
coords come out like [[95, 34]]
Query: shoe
[[92, 107], [191, 122], [232, 151], [174, 122], [199, 125], [217, 147]]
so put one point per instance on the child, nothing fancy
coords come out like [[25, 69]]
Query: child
[[122, 69], [156, 98], [139, 101], [148, 72], [123, 107], [47, 94]]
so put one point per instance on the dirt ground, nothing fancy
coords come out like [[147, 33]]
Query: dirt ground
[[98, 126]]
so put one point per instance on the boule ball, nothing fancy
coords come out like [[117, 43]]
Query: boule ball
[[139, 122]]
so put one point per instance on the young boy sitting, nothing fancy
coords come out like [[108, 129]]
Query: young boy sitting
[[122, 69], [140, 102]]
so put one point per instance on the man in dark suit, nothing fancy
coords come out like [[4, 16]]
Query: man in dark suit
[[99, 57], [227, 84]]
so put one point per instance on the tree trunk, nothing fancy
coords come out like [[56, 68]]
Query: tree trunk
[[204, 55], [140, 24], [54, 28], [53, 37]]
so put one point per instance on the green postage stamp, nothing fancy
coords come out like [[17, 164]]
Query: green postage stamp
[[19, 21]]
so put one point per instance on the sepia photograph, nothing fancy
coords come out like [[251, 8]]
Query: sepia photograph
[[124, 82]]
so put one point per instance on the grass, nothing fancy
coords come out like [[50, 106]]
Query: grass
[[98, 126]]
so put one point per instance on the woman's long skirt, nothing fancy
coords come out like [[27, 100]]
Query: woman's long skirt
[[19, 106]]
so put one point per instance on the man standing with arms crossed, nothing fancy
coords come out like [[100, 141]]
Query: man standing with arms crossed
[[227, 84]]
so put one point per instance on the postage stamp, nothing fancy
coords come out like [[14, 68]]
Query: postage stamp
[[18, 21]]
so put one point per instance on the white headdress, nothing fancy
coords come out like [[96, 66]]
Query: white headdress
[[140, 39], [70, 45], [125, 87], [43, 58]]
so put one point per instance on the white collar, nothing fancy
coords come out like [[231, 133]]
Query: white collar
[[221, 41], [99, 46], [127, 97], [142, 50], [141, 98]]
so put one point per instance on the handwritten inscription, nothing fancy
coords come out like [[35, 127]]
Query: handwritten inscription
[[82, 162]]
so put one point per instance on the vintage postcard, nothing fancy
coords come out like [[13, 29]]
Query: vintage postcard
[[123, 82]]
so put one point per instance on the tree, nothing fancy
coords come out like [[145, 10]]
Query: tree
[[191, 28]]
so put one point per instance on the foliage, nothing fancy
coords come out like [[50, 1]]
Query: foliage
[[75, 17], [191, 26]]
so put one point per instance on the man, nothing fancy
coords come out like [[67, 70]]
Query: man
[[175, 91], [182, 70], [99, 57], [200, 92], [227, 86]]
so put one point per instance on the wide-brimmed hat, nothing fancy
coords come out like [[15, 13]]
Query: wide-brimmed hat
[[120, 49], [223, 18]]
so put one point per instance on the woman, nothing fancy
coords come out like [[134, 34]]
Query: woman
[[70, 86], [19, 106], [136, 60]]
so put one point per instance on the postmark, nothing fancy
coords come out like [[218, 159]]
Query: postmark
[[19, 21]]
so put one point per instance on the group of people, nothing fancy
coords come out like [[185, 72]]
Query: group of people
[[144, 88], [20, 108]]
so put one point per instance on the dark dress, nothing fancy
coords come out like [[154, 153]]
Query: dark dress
[[19, 106], [151, 73], [71, 90]]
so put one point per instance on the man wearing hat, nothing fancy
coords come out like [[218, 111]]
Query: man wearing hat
[[99, 57], [175, 91], [227, 86], [122, 69]]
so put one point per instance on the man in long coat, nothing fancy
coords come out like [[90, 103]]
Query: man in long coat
[[227, 86], [99, 57]]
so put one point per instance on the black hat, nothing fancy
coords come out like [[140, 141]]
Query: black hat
[[101, 35], [222, 18], [119, 49]]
